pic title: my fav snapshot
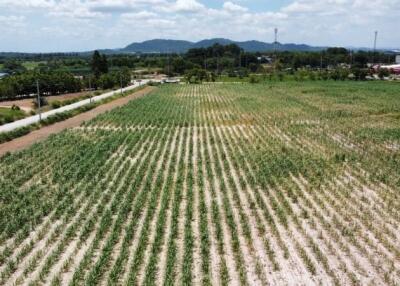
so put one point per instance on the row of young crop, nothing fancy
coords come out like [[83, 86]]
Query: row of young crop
[[208, 184], [59, 249], [99, 188], [141, 264], [243, 215], [391, 247], [284, 211], [156, 189], [58, 210]]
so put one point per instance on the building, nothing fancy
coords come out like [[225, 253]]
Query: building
[[398, 59], [394, 69], [171, 80], [265, 59]]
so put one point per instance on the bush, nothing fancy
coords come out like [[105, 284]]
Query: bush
[[196, 76], [280, 76], [253, 79], [8, 136], [383, 73], [8, 118], [153, 83], [55, 104], [15, 107], [359, 74], [43, 102]]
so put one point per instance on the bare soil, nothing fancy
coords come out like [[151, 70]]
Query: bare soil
[[43, 133]]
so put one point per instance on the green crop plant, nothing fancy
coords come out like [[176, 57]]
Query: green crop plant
[[216, 183]]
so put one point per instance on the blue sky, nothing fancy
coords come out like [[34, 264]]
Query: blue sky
[[78, 25]]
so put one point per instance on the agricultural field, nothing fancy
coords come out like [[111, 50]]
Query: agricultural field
[[214, 184], [31, 65]]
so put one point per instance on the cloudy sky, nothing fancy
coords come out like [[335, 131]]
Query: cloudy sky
[[77, 25]]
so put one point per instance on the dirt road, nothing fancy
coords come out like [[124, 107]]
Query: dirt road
[[41, 134]]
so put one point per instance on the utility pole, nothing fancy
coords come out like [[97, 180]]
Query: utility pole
[[169, 65], [321, 63], [375, 41], [38, 100], [275, 48], [351, 58], [120, 79], [90, 89], [218, 64]]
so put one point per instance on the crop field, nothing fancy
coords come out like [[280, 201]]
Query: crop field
[[212, 184]]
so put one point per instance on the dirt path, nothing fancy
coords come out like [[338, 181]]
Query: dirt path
[[43, 133]]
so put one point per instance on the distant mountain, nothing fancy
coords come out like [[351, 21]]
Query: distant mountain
[[179, 46], [159, 46], [210, 42], [176, 46]]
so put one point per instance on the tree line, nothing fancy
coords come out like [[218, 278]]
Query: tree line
[[23, 83], [61, 73], [50, 83]]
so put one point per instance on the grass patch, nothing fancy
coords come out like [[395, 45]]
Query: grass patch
[[8, 115]]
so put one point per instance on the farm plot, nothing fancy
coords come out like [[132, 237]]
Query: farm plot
[[217, 184]]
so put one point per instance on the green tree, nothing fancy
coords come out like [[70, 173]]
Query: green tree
[[196, 75], [383, 73], [12, 66], [99, 64], [359, 74], [104, 64]]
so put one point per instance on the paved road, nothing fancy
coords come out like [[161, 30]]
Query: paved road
[[35, 119]]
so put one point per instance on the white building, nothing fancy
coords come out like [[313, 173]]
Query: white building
[[398, 59]]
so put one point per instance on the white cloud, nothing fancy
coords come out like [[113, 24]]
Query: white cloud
[[12, 22], [110, 6], [142, 15], [26, 4], [184, 6], [145, 19], [232, 7], [317, 22]]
